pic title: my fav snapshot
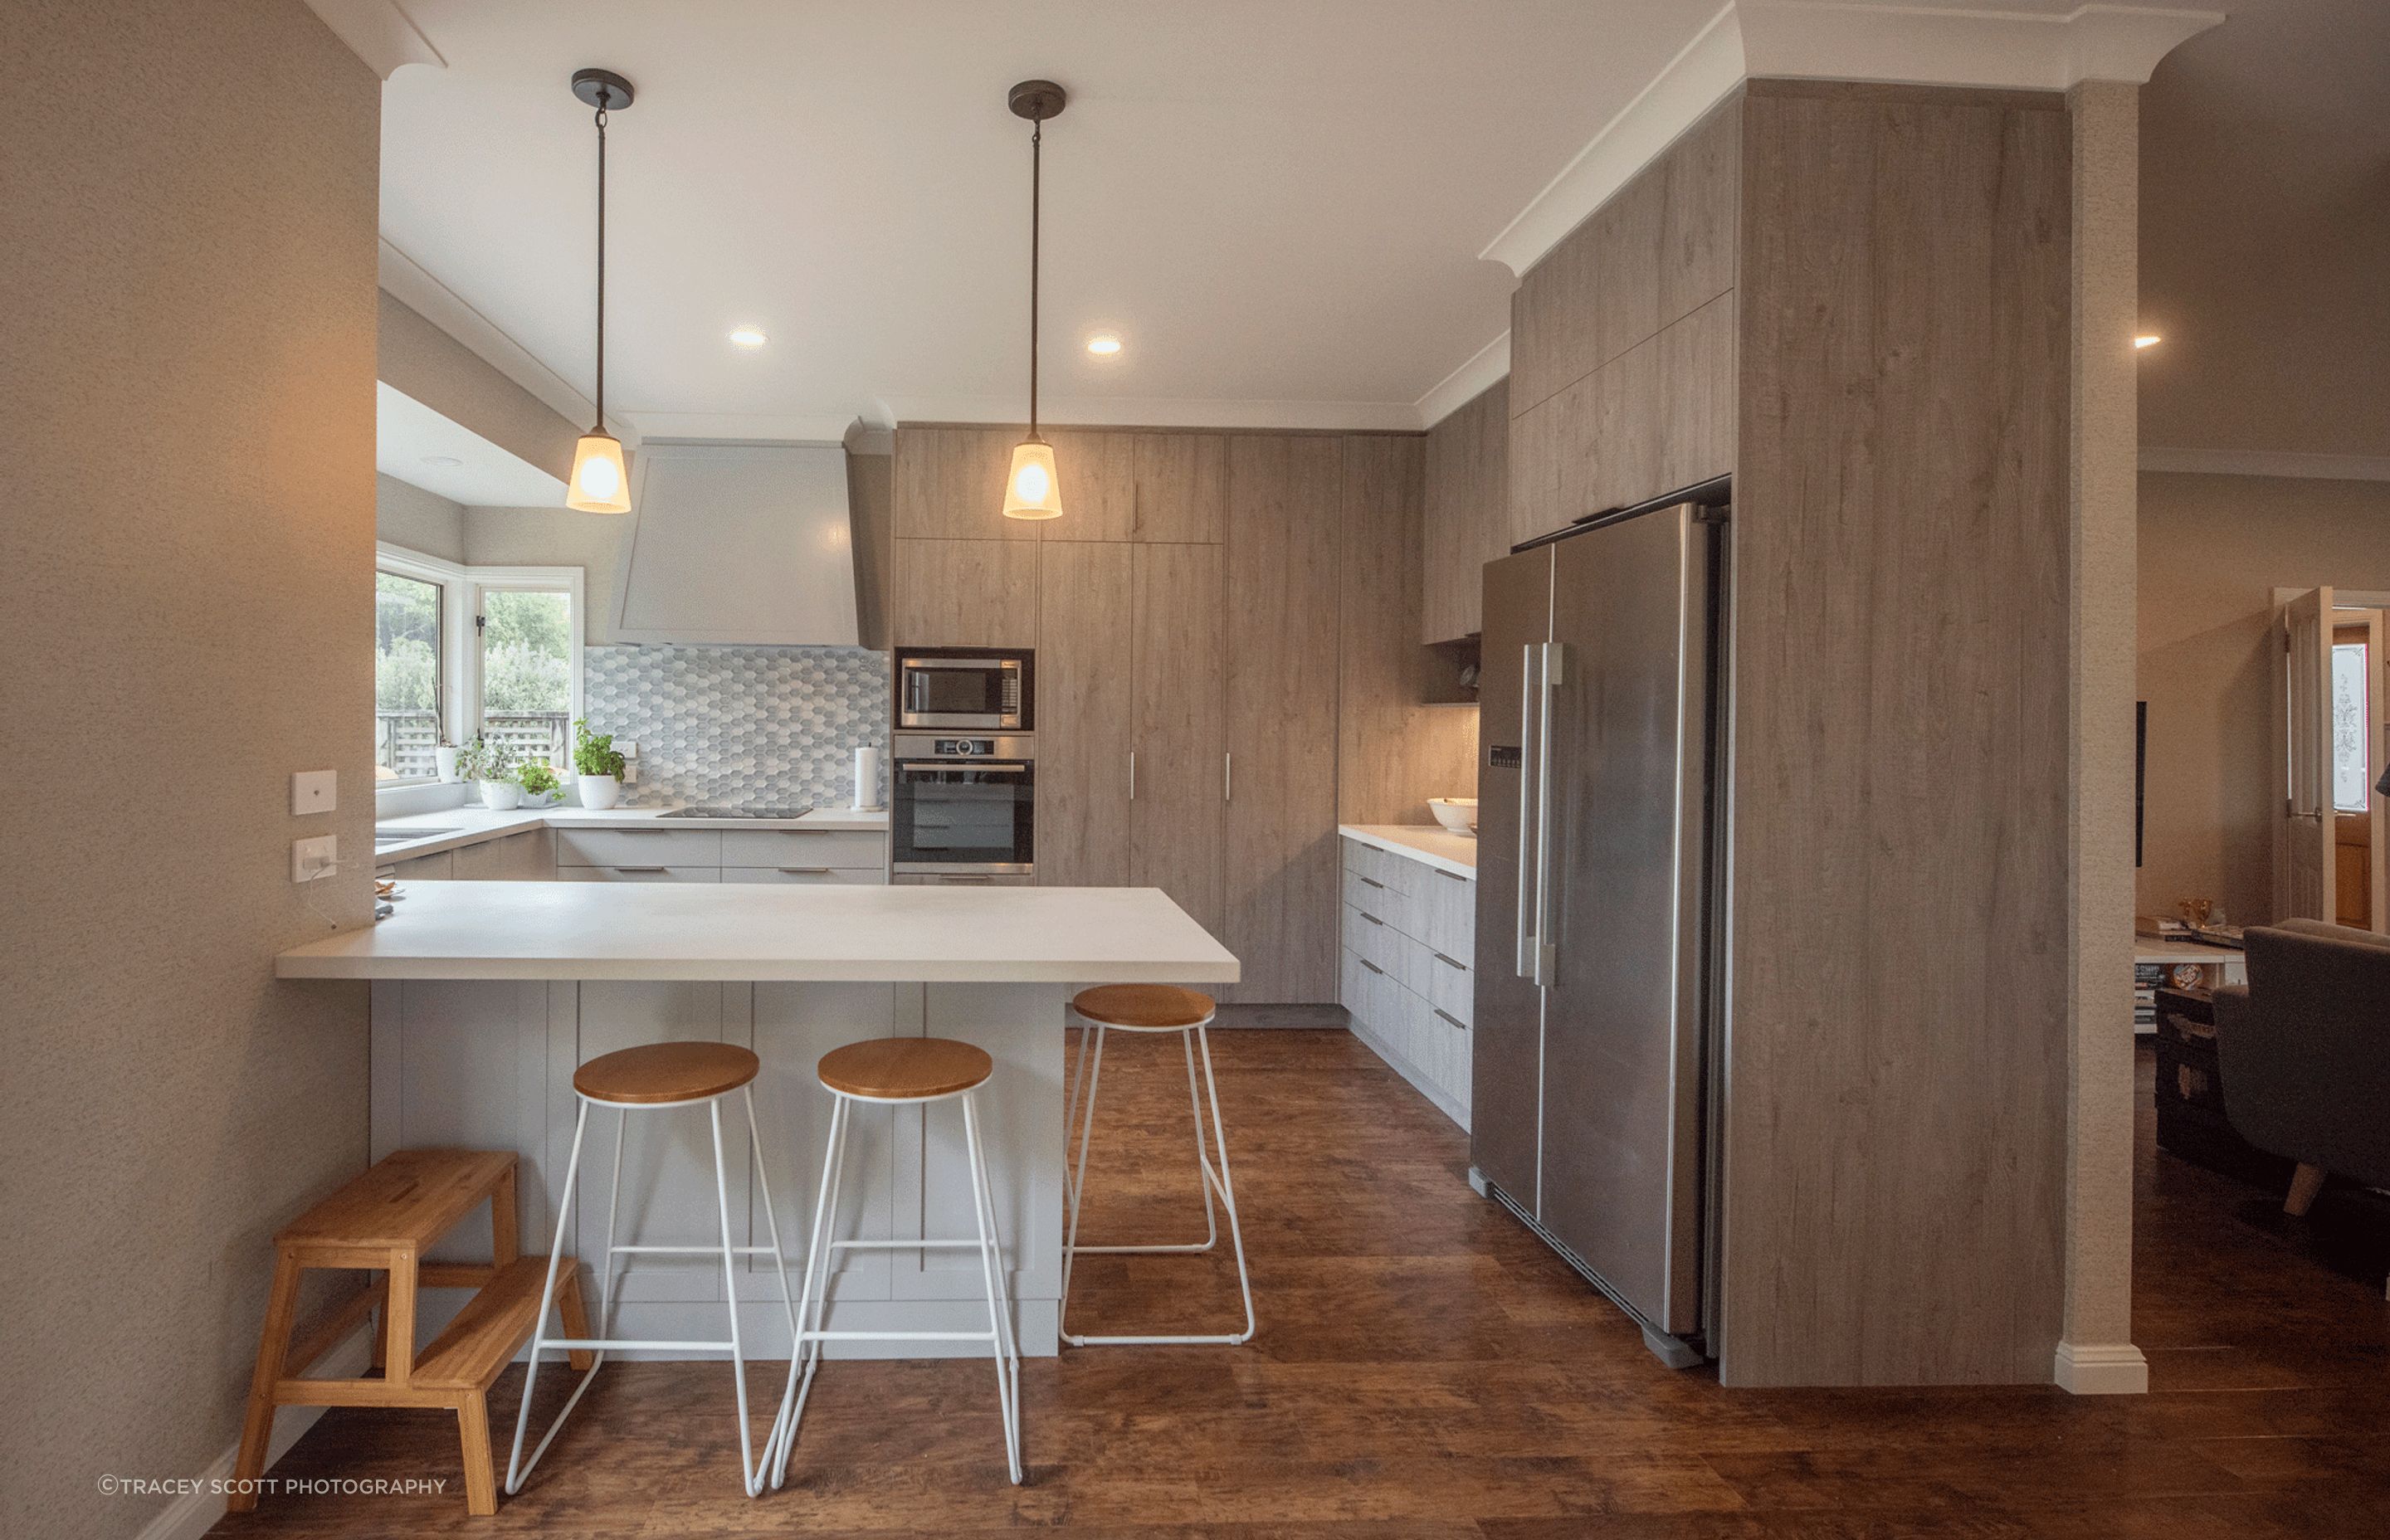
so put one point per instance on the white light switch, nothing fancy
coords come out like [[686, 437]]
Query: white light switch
[[627, 747], [314, 790], [313, 858]]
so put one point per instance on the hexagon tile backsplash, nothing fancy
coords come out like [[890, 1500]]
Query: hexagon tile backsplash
[[742, 724]]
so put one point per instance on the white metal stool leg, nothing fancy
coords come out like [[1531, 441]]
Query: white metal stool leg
[[1074, 1187], [808, 1336], [754, 1467]]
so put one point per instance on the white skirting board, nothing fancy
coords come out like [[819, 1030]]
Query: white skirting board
[[2101, 1368], [192, 1514]]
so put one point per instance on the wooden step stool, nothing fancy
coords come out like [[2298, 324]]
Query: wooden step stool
[[383, 1222]]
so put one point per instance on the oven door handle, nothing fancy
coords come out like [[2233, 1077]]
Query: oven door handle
[[918, 767]]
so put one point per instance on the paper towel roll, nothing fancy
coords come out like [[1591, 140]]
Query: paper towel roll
[[867, 777]]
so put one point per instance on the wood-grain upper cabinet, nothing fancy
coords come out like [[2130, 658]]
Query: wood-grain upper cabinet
[[1182, 490], [1084, 721], [1097, 475], [964, 593], [1280, 777], [1467, 521], [1176, 655], [950, 485]]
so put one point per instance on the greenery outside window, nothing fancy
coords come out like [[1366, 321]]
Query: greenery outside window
[[462, 650]]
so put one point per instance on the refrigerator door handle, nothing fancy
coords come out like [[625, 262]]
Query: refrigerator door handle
[[1524, 955], [1546, 953]]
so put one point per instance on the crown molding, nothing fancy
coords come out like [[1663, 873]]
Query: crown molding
[[380, 33], [1349, 417], [412, 285], [2264, 462], [1466, 383], [742, 427], [1912, 45]]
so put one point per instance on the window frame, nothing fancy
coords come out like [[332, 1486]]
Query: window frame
[[462, 586]]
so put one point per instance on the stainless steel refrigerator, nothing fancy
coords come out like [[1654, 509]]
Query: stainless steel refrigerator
[[1601, 881]]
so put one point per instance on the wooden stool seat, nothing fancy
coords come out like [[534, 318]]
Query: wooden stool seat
[[659, 1075], [1144, 1007], [383, 1222], [905, 1069]]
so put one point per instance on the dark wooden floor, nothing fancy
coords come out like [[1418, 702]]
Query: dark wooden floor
[[1426, 1369]]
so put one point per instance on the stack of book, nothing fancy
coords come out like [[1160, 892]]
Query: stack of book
[[2147, 977]]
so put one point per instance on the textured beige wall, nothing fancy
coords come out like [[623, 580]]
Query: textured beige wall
[[2213, 549], [187, 397], [418, 360], [2100, 777], [417, 519]]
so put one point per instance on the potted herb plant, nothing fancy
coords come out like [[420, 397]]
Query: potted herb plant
[[491, 766], [598, 767], [539, 782]]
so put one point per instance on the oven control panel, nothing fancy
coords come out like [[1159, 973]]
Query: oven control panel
[[962, 748]]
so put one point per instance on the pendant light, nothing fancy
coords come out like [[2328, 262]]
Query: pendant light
[[1032, 490], [599, 484]]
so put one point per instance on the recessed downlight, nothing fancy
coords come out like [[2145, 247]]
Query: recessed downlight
[[441, 460], [1104, 344], [750, 337], [2148, 340]]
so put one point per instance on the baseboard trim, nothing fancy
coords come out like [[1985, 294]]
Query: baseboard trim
[[195, 1512], [2101, 1368]]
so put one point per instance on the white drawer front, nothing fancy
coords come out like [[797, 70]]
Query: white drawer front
[[638, 872], [1448, 906], [1449, 986], [1378, 943], [839, 850], [639, 847], [853, 876], [1367, 892]]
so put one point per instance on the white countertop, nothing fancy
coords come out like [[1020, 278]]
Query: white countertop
[[470, 826], [1431, 844], [739, 932]]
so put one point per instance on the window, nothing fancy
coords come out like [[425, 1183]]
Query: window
[[2352, 778], [406, 675], [464, 650]]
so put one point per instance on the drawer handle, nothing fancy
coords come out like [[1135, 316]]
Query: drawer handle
[[1447, 1016], [806, 871], [1452, 876], [642, 868], [1372, 967], [1368, 915], [1370, 880], [1448, 962], [639, 832]]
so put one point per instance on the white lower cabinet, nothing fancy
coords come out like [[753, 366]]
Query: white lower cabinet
[[1409, 934], [648, 854]]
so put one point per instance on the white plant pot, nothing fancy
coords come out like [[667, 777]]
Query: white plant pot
[[600, 791], [445, 756], [500, 796]]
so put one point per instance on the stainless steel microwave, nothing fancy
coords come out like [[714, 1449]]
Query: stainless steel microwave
[[969, 688]]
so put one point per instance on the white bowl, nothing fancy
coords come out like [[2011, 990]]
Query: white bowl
[[1457, 813]]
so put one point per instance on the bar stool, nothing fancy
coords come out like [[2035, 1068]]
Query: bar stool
[[905, 1071], [1150, 1008], [660, 1076]]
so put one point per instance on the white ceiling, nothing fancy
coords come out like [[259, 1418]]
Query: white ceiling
[[1268, 201], [1284, 207]]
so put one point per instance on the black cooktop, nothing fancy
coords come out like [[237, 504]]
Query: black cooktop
[[745, 809]]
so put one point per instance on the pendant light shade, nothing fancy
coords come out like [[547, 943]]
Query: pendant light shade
[[1032, 489], [599, 483]]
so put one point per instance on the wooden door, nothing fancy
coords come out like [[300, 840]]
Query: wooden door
[[2304, 859], [1279, 780], [949, 485], [1176, 613], [1083, 715], [1181, 488], [964, 593], [1467, 521], [1096, 472]]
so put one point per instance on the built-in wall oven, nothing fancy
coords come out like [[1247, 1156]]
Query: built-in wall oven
[[968, 689], [963, 805]]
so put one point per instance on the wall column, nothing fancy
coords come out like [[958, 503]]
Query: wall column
[[2095, 1354]]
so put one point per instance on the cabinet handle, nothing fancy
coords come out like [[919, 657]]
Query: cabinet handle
[[1372, 881], [1453, 876], [1363, 913], [806, 871], [1372, 967], [1228, 777], [1449, 962], [642, 868], [1447, 1018], [961, 876], [1132, 775], [639, 832]]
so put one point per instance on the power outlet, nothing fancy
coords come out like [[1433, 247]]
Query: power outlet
[[314, 790], [318, 857]]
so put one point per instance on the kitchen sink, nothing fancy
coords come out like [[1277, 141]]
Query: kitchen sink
[[387, 835]]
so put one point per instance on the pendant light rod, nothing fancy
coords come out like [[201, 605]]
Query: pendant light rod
[[1036, 100]]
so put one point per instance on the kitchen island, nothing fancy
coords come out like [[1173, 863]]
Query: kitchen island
[[486, 995]]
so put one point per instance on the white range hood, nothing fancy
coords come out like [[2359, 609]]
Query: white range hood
[[737, 543]]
